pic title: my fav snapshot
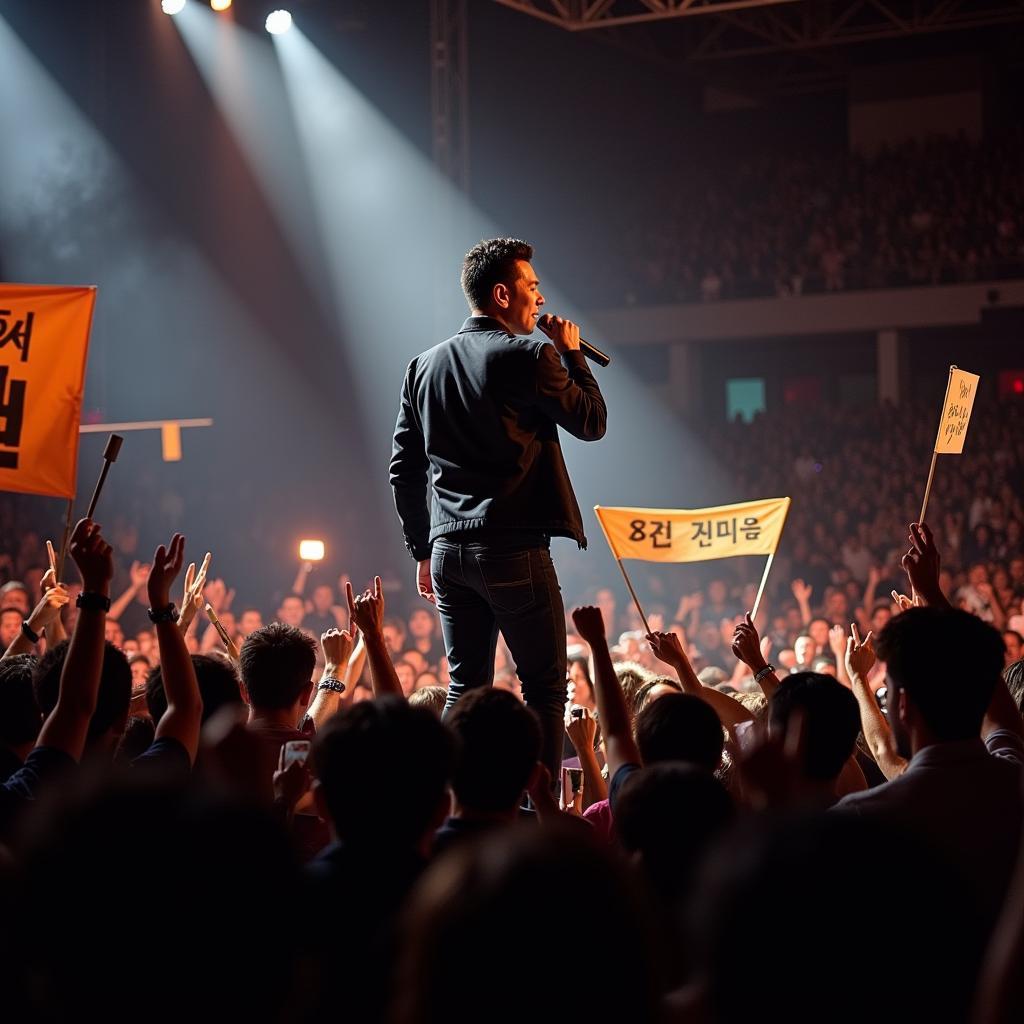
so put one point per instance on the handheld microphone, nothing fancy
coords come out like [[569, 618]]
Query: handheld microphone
[[590, 351]]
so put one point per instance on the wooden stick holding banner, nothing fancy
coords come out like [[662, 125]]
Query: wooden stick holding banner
[[636, 600], [957, 406], [760, 589], [622, 569]]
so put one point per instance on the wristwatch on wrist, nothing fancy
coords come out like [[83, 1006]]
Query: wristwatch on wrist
[[29, 633], [332, 683], [91, 601], [166, 614]]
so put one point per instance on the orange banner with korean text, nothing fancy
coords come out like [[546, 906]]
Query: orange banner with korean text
[[44, 341], [694, 535], [956, 412]]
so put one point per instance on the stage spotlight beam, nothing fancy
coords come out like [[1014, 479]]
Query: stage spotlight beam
[[172, 7], [278, 22]]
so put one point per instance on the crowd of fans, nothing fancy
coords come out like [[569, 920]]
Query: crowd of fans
[[942, 211], [258, 811]]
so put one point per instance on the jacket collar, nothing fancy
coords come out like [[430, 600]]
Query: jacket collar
[[484, 324]]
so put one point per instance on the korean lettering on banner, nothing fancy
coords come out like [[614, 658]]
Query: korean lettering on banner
[[657, 531], [706, 532], [14, 330]]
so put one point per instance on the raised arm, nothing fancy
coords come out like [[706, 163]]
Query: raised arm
[[616, 727], [568, 392], [192, 598], [67, 726], [921, 564], [859, 658], [337, 645], [802, 592], [746, 645], [668, 648], [183, 717], [138, 573], [41, 620], [368, 615], [581, 731]]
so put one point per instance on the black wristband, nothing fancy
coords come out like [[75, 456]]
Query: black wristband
[[166, 614], [92, 601], [28, 632]]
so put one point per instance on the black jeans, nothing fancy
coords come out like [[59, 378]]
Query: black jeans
[[507, 583]]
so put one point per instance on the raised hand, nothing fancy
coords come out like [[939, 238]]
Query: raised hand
[[667, 647], [290, 785], [589, 624], [903, 602], [166, 565], [138, 573], [860, 656], [746, 644], [215, 594], [801, 591], [48, 610], [367, 610], [337, 645], [921, 564], [581, 731], [192, 598], [93, 556], [837, 642]]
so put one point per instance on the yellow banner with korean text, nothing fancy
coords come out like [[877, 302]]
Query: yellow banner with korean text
[[44, 340], [694, 535], [956, 412]]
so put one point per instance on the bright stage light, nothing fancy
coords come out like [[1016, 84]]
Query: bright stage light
[[278, 22], [172, 6], [311, 550], [220, 5]]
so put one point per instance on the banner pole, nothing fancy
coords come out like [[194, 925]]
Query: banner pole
[[632, 593], [760, 589], [935, 454], [928, 487], [64, 540]]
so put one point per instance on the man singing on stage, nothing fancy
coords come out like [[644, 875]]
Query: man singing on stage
[[480, 415]]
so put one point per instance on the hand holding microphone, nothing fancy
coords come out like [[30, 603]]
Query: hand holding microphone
[[565, 336]]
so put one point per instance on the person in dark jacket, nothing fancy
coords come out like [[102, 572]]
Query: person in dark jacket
[[480, 483]]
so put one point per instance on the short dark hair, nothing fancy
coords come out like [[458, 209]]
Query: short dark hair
[[20, 717], [680, 727], [115, 692], [218, 686], [669, 813], [831, 720], [948, 662], [499, 743], [276, 662], [401, 757], [488, 263]]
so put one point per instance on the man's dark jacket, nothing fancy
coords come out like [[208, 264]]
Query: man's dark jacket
[[480, 414]]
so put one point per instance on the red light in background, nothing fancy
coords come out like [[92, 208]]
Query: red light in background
[[1011, 383]]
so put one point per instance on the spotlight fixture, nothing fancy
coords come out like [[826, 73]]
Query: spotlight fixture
[[220, 5], [172, 6], [278, 22]]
